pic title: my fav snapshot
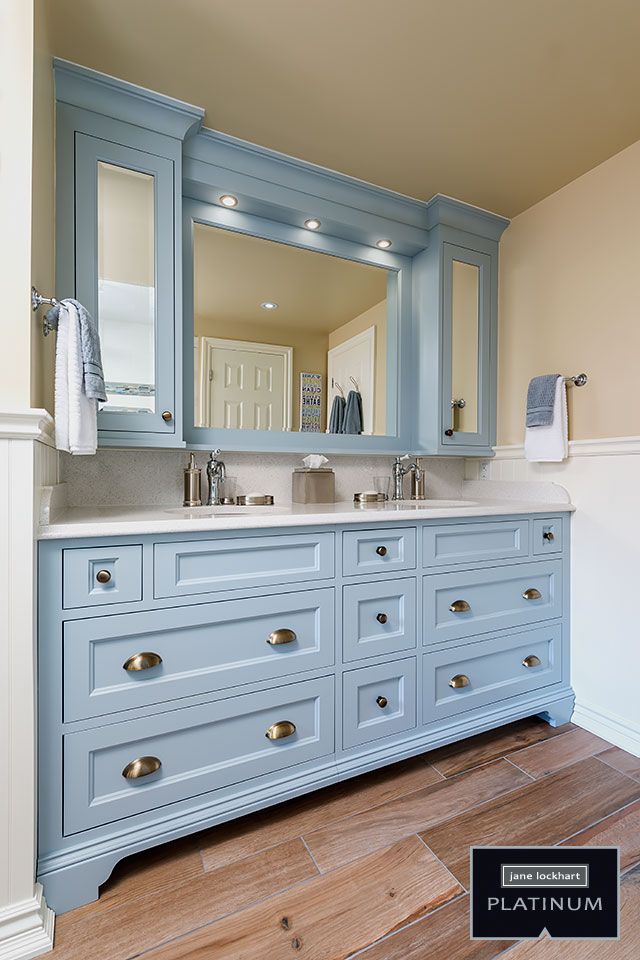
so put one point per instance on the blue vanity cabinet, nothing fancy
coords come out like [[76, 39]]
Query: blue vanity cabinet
[[186, 679]]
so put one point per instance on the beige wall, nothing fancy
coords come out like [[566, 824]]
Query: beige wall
[[570, 301], [309, 350], [374, 317], [126, 226]]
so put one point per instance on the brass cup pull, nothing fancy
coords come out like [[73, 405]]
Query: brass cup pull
[[531, 661], [142, 661], [381, 551], [167, 416], [142, 767], [382, 702], [382, 618], [103, 576], [280, 730], [549, 536], [531, 594], [460, 606], [278, 637], [460, 680]]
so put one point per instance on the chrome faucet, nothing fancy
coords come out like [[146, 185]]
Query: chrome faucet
[[398, 474], [215, 474]]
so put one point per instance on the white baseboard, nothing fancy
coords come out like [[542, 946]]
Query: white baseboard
[[608, 726], [26, 928]]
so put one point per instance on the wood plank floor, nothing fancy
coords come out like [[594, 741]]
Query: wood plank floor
[[376, 866]]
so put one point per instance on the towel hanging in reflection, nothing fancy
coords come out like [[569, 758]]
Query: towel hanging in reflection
[[353, 413], [336, 417]]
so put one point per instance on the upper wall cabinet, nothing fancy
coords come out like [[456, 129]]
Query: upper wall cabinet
[[251, 301]]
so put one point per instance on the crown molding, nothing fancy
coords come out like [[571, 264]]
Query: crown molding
[[449, 212], [101, 93], [31, 424]]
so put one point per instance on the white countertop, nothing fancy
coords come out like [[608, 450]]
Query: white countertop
[[124, 521]]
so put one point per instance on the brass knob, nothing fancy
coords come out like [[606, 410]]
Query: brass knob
[[103, 576], [142, 661], [278, 637], [460, 606], [460, 680], [142, 767], [382, 702], [167, 416], [531, 594], [531, 661], [382, 618], [549, 536], [381, 551], [280, 730]]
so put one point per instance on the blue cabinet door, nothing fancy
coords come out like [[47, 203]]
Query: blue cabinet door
[[378, 619]]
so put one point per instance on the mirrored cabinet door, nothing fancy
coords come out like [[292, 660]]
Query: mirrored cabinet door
[[466, 395], [125, 276]]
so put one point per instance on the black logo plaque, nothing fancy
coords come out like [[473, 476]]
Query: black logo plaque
[[518, 892]]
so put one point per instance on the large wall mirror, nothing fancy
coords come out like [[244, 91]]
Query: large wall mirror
[[290, 339]]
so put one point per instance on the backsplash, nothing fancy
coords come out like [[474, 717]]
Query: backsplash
[[150, 477]]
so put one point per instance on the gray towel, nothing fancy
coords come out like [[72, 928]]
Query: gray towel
[[336, 418], [353, 413], [93, 375], [540, 399]]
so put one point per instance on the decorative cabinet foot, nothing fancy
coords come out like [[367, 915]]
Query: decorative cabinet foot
[[560, 713]]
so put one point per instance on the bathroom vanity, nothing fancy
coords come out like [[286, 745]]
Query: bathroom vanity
[[195, 667]]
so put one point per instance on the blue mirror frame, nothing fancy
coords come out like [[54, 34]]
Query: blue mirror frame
[[399, 350]]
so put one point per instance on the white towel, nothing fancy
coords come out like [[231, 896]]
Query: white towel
[[75, 413], [550, 444]]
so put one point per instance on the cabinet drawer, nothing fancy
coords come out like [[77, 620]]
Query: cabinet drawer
[[378, 701], [200, 748], [462, 604], [378, 551], [474, 542], [183, 569], [96, 575], [193, 650], [378, 618], [547, 536], [490, 670]]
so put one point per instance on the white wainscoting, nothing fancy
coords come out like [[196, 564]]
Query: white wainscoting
[[603, 481]]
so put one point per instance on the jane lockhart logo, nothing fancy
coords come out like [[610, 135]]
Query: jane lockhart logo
[[519, 892]]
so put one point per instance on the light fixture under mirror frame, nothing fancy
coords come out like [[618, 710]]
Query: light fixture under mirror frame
[[211, 344]]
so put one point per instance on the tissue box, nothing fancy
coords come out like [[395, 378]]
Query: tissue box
[[313, 485]]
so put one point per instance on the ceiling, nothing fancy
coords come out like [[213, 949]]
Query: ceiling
[[495, 102], [236, 273]]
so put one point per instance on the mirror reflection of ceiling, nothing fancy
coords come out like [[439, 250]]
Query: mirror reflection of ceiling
[[497, 103], [235, 274]]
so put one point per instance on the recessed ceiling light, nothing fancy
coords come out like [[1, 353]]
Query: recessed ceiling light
[[269, 305], [383, 244], [312, 224], [228, 200]]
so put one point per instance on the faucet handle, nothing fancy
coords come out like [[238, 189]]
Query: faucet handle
[[214, 453]]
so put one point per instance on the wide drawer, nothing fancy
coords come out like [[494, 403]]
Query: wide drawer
[[462, 604], [378, 701], [479, 673], [136, 659], [378, 618], [92, 576], [198, 749], [207, 566], [474, 542], [382, 550]]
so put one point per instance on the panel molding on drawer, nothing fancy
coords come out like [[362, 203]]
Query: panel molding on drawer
[[474, 542], [82, 567], [493, 668], [201, 749], [383, 550], [205, 566], [364, 716], [363, 633], [202, 648], [494, 597]]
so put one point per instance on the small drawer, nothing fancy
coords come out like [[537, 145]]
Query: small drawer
[[547, 536], [138, 659], [206, 566], [96, 575], [474, 542], [185, 753], [378, 551], [458, 605], [378, 619], [378, 701], [484, 672]]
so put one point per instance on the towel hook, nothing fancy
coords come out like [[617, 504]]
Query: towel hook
[[37, 301], [355, 383], [338, 388]]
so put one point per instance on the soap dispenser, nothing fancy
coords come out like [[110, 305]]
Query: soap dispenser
[[192, 484]]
